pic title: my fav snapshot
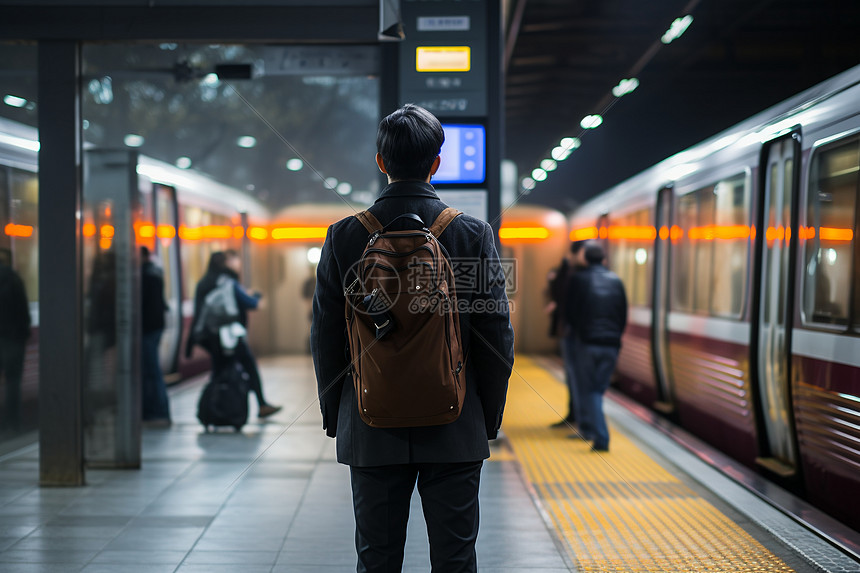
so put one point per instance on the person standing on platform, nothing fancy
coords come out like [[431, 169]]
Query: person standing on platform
[[445, 460], [156, 407], [14, 332], [596, 314], [557, 289]]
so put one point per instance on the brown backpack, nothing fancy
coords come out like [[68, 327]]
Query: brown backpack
[[404, 328]]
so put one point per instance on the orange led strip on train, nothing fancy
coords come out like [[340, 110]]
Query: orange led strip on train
[[298, 233], [516, 234], [583, 234], [14, 230]]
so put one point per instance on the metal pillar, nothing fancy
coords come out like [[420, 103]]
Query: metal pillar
[[61, 460]]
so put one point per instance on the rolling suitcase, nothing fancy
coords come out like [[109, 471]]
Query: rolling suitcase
[[224, 400]]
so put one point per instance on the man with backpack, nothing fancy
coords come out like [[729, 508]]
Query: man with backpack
[[596, 313], [432, 384]]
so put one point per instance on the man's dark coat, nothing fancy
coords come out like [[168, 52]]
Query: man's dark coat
[[487, 338]]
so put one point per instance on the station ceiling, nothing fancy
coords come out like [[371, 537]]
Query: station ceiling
[[737, 57]]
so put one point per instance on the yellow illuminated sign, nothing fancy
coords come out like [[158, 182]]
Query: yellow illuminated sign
[[443, 58]]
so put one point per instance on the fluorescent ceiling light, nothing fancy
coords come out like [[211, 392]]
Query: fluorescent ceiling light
[[678, 27], [591, 121], [246, 142], [625, 86], [295, 164], [539, 174], [344, 188], [183, 162], [14, 101], [133, 140], [570, 143], [548, 165]]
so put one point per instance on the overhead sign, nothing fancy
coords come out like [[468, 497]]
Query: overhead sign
[[443, 59], [444, 24]]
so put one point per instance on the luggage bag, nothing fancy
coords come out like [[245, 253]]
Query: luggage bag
[[224, 400]]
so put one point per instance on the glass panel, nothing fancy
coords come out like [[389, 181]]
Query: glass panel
[[731, 245], [703, 244], [684, 255], [829, 233], [19, 245]]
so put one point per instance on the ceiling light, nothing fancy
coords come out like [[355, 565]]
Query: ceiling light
[[211, 80], [133, 140], [560, 153], [295, 164], [539, 174], [14, 101], [591, 121], [331, 182], [548, 165], [183, 162], [678, 27], [246, 141], [570, 143], [625, 86], [344, 188], [528, 183]]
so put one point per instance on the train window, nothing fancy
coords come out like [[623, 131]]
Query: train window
[[829, 233], [703, 248], [684, 256], [731, 245], [630, 251], [23, 218], [711, 253]]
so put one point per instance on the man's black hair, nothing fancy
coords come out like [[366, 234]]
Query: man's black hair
[[409, 140], [144, 252], [594, 254], [577, 246]]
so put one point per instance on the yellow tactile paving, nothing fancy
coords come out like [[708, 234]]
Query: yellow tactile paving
[[619, 511]]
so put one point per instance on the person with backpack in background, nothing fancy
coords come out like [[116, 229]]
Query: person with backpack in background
[[219, 321], [419, 335], [596, 314]]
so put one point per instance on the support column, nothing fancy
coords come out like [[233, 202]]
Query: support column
[[61, 460]]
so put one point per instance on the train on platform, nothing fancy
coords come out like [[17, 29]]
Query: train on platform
[[742, 266]]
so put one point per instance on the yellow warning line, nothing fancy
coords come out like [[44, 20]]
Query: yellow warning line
[[618, 511]]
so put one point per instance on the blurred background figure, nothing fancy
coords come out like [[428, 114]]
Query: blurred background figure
[[156, 407], [14, 332], [596, 314], [557, 286], [229, 263]]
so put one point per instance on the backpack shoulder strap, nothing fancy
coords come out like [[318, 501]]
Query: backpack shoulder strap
[[370, 222], [443, 220]]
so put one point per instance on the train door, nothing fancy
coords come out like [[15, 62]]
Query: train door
[[773, 298], [660, 301], [167, 249]]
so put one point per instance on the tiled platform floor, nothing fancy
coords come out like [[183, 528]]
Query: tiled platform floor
[[271, 499]]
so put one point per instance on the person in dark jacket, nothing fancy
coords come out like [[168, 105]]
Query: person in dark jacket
[[557, 291], [596, 314], [14, 332], [229, 263], [156, 407], [445, 460]]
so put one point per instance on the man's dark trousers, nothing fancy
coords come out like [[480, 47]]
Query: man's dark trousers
[[449, 497]]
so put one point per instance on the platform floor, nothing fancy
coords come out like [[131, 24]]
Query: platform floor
[[273, 499]]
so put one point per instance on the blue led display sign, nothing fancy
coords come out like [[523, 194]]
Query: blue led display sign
[[463, 155]]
